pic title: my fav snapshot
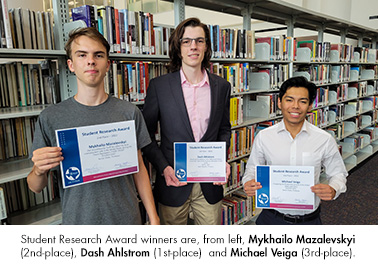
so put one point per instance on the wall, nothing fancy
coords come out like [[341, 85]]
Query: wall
[[36, 5]]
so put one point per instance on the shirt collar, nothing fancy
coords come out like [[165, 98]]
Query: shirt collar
[[205, 79], [281, 127]]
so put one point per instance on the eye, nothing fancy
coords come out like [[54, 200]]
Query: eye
[[201, 40], [99, 56], [81, 55], [185, 41]]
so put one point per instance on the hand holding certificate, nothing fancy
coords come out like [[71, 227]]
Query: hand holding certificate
[[200, 161], [285, 187], [97, 152]]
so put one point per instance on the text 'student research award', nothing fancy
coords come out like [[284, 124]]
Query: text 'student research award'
[[285, 187], [98, 152], [200, 161]]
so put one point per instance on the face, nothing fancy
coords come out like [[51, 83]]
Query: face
[[193, 55], [294, 105], [89, 61]]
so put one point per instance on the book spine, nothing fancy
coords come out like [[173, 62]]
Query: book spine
[[8, 34]]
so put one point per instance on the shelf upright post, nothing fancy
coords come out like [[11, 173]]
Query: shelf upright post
[[374, 43], [360, 40], [179, 11], [321, 29], [290, 33], [343, 33], [247, 16]]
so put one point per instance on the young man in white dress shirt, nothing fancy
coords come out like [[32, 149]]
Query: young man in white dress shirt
[[296, 142]]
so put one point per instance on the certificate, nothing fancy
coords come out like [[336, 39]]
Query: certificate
[[285, 187], [200, 161], [97, 152]]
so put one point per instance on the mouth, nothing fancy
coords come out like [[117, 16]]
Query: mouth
[[294, 114], [91, 71]]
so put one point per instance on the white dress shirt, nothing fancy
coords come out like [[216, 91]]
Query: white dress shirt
[[312, 146]]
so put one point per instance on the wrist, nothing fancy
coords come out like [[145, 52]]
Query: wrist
[[37, 172]]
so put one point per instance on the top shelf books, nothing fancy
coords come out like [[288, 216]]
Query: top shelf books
[[313, 51], [25, 29]]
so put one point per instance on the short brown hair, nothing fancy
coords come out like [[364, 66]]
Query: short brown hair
[[90, 32], [175, 44]]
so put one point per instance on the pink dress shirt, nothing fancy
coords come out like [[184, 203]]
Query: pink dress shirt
[[198, 103]]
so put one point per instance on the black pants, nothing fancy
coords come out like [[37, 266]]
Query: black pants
[[268, 218]]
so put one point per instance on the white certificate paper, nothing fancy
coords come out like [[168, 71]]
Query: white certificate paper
[[285, 187], [200, 161], [97, 152]]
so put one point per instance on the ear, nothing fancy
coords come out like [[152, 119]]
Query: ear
[[107, 68], [70, 65], [309, 107], [279, 103]]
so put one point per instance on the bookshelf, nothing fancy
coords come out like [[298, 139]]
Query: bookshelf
[[256, 112], [290, 16]]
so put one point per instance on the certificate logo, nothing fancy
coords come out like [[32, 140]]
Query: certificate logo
[[180, 173], [72, 173], [263, 198]]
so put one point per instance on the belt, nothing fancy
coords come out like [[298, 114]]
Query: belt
[[295, 218]]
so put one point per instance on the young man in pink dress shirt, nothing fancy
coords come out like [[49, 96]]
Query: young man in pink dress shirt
[[191, 105]]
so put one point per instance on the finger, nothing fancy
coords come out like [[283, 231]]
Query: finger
[[49, 156], [40, 163]]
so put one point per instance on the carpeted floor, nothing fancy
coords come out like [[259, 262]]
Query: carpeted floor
[[358, 206]]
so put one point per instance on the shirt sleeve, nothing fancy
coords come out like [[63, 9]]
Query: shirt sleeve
[[256, 158], [335, 168]]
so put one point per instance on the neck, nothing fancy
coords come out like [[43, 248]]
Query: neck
[[91, 96], [293, 129], [193, 75]]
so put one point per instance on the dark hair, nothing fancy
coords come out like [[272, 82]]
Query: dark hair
[[90, 32], [299, 81], [175, 44]]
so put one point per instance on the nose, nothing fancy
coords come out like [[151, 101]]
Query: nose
[[296, 104], [193, 44], [91, 60]]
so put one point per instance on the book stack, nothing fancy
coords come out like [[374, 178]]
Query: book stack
[[237, 171], [18, 197], [3, 210], [321, 97], [235, 73], [16, 137], [318, 117], [129, 80], [241, 141], [281, 48], [26, 29], [28, 84], [126, 31], [232, 43], [237, 208], [236, 111]]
